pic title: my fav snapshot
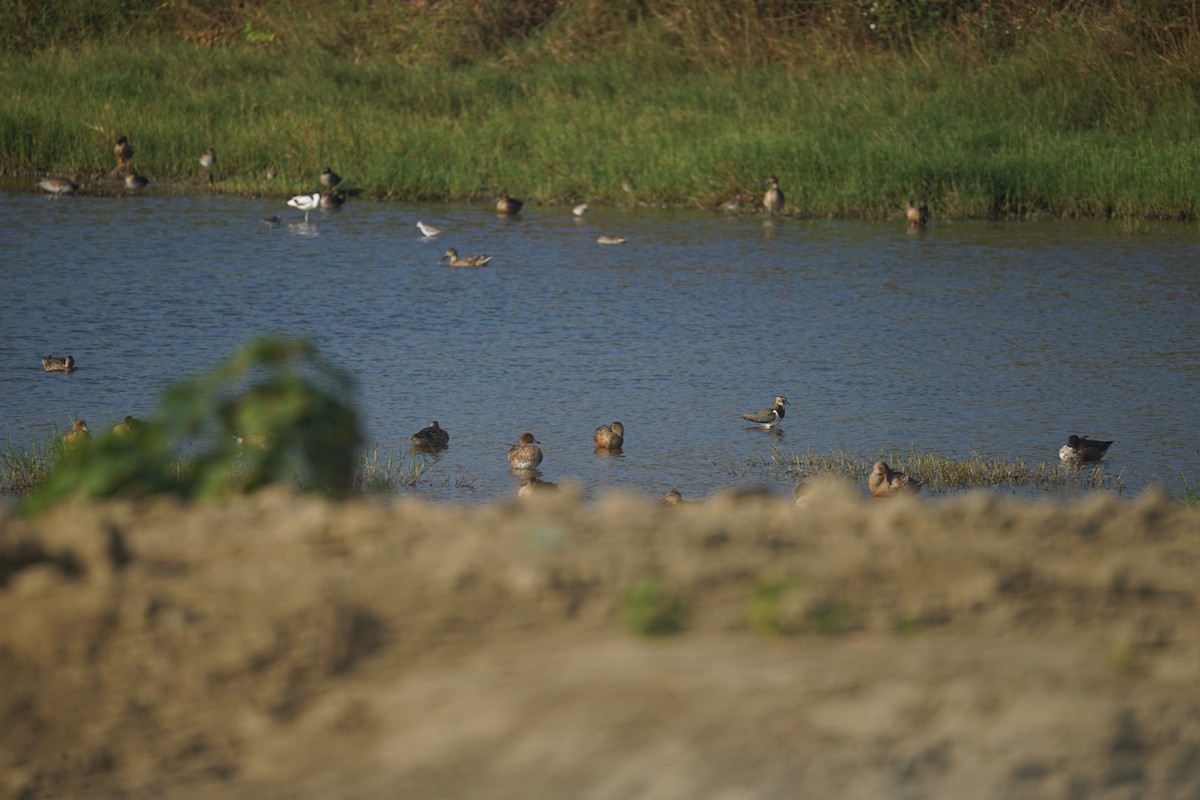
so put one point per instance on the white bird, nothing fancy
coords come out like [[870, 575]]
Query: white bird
[[428, 231], [306, 203], [579, 210]]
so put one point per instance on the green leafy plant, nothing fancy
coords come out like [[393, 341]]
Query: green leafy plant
[[651, 609], [273, 412], [775, 608]]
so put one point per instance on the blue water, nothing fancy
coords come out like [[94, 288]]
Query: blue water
[[993, 338]]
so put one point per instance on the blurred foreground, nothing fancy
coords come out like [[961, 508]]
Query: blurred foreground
[[281, 646]]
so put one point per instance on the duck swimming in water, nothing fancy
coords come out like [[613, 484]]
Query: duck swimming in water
[[1082, 450], [432, 437], [465, 261], [55, 364], [609, 437]]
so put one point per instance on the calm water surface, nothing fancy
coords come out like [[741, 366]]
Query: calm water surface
[[991, 338]]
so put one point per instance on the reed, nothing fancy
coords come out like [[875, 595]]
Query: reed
[[946, 474], [1189, 493], [24, 468], [1072, 115], [393, 472]]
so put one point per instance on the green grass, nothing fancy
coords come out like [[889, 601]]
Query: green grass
[[23, 468], [947, 474], [1015, 113], [651, 608], [776, 606], [1189, 494]]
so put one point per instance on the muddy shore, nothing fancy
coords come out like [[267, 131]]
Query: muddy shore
[[281, 646]]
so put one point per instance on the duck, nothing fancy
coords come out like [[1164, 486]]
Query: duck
[[525, 454], [432, 437], [332, 199], [306, 203], [611, 240], [534, 485], [773, 199], [123, 150], [77, 434], [208, 160], [769, 417], [428, 231], [272, 172], [466, 261], [59, 186], [1082, 450], [917, 215], [609, 437], [56, 364], [580, 209], [885, 482], [132, 426], [135, 181], [800, 494], [330, 179], [508, 205], [671, 498]]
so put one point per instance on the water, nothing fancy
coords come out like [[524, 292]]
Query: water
[[991, 338]]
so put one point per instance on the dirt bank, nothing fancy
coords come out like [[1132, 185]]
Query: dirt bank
[[287, 647]]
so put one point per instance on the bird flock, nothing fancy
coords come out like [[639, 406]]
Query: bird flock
[[526, 454]]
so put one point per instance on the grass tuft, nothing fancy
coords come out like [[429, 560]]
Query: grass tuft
[[650, 608], [946, 474]]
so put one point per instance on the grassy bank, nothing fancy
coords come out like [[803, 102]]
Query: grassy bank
[[1060, 113]]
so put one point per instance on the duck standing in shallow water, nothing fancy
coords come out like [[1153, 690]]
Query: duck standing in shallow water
[[1082, 450], [59, 186], [773, 199], [508, 205], [885, 482], [525, 454], [432, 438], [769, 417], [135, 181], [78, 434], [465, 261], [55, 364], [917, 215], [609, 437]]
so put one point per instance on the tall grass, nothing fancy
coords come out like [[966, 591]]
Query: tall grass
[[1085, 116], [946, 474]]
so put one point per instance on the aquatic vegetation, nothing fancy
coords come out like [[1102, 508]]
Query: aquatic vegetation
[[404, 470], [1189, 494], [946, 474], [22, 469]]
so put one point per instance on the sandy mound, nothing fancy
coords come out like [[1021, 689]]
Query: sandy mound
[[288, 647]]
